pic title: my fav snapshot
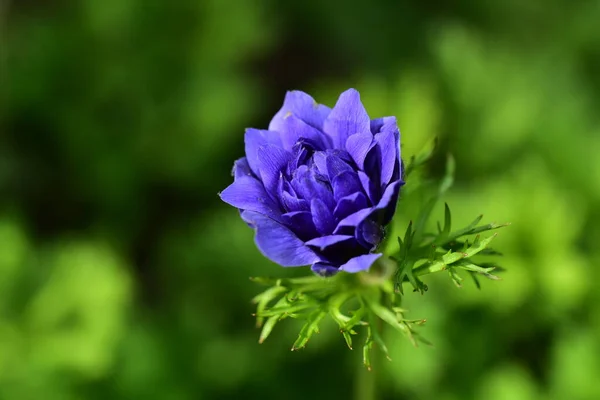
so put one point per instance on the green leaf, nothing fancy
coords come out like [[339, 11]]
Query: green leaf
[[263, 299], [310, 327], [267, 328]]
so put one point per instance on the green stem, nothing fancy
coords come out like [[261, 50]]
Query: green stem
[[365, 385]]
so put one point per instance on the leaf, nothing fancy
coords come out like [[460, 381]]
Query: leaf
[[267, 328], [263, 300], [310, 327], [447, 220], [455, 277]]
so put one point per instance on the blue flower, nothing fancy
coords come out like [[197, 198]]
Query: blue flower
[[320, 184]]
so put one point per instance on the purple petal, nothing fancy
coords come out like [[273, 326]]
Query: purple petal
[[323, 269], [301, 223], [241, 168], [256, 138], [295, 129], [350, 204], [292, 203], [320, 160], [322, 216], [325, 241], [358, 145], [336, 166], [347, 117], [387, 205], [302, 106], [369, 187], [388, 148], [309, 185], [352, 221], [272, 161], [384, 123], [360, 263], [345, 184], [247, 193], [369, 233], [278, 243]]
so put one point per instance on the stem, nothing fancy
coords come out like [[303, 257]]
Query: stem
[[365, 384]]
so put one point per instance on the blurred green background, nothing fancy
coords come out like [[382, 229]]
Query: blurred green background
[[123, 276]]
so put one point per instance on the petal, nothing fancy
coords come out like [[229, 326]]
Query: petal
[[338, 249], [336, 166], [345, 184], [387, 205], [248, 193], [358, 145], [241, 168], [379, 124], [324, 269], [320, 160], [302, 106], [369, 187], [272, 160], [360, 263], [301, 223], [294, 129], [309, 185], [278, 243], [323, 242], [389, 150], [350, 204], [352, 221], [292, 203], [347, 117], [369, 233], [322, 216], [256, 138]]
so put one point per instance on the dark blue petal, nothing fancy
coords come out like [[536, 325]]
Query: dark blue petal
[[278, 243], [348, 225], [386, 207], [295, 129], [347, 117], [338, 249], [323, 269], [321, 243], [345, 184], [272, 161], [301, 223], [302, 106], [247, 193], [369, 233], [322, 216], [350, 204], [256, 138], [360, 263], [370, 188], [358, 145]]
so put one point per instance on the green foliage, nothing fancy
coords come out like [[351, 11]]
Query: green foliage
[[353, 301]]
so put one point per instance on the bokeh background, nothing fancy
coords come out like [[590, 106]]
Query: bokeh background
[[122, 275]]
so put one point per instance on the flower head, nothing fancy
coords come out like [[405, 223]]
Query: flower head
[[320, 184]]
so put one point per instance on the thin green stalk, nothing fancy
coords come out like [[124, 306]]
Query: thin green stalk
[[366, 382]]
